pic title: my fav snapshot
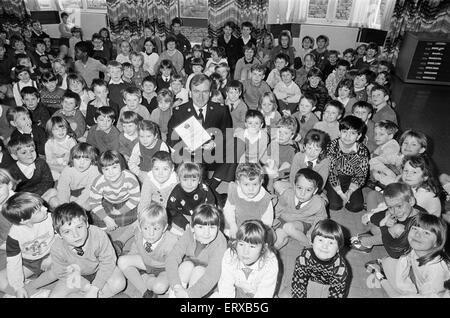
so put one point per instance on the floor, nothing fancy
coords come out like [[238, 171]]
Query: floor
[[422, 107]]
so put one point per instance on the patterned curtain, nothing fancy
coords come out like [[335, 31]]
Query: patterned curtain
[[238, 11], [13, 14], [135, 13], [418, 16]]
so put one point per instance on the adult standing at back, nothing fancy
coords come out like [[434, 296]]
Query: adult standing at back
[[64, 29], [231, 44]]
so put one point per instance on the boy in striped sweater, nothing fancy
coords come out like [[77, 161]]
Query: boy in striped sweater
[[114, 197]]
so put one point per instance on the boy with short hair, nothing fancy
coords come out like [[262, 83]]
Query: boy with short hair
[[255, 87], [71, 112], [305, 115], [129, 136], [331, 64], [100, 89], [51, 93], [380, 99], [114, 197], [128, 73], [369, 59], [103, 135], [32, 171], [321, 52], [19, 118], [159, 181], [162, 114], [198, 65], [116, 85], [274, 77], [144, 265], [88, 67], [280, 166], [364, 111], [388, 148], [181, 94], [31, 100], [389, 226], [360, 83], [330, 120], [349, 56], [132, 98], [149, 143], [235, 104], [287, 92], [244, 64], [40, 58], [27, 245], [149, 93], [299, 209], [83, 257], [182, 43], [247, 199]]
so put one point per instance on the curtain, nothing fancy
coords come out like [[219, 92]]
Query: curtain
[[386, 17], [418, 16], [135, 13], [13, 15], [238, 11]]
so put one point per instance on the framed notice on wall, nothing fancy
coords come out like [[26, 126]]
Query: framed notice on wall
[[193, 9]]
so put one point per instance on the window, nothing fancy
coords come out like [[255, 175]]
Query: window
[[343, 9], [96, 4], [317, 9]]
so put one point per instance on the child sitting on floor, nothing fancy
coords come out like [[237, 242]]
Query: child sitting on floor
[[144, 265], [194, 264], [321, 271], [83, 257], [299, 209]]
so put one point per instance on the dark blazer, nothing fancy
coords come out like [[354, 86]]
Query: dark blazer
[[217, 117]]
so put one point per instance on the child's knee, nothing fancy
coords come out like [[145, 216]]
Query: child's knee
[[185, 270], [197, 272], [290, 228], [117, 282], [161, 285], [122, 262]]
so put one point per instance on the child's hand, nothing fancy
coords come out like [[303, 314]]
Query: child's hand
[[396, 230], [365, 219], [21, 293], [209, 145], [286, 112], [110, 223], [115, 212], [301, 146]]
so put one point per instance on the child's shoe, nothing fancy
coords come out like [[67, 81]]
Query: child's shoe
[[355, 243]]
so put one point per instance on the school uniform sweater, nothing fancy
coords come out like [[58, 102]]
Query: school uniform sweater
[[253, 93], [140, 110], [287, 93], [385, 113], [52, 99], [39, 115], [160, 249], [141, 157], [309, 212], [260, 282], [92, 107], [126, 145], [239, 208], [162, 119], [127, 190], [40, 181], [153, 191], [74, 185], [102, 140], [237, 111], [210, 257], [300, 161], [99, 257], [333, 272], [30, 243], [331, 129], [305, 122], [115, 92], [76, 121], [320, 92], [181, 204], [39, 137], [242, 68]]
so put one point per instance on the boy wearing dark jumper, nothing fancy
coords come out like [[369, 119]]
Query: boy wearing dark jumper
[[383, 111], [103, 135], [33, 172], [31, 100], [116, 85], [19, 118], [51, 94]]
